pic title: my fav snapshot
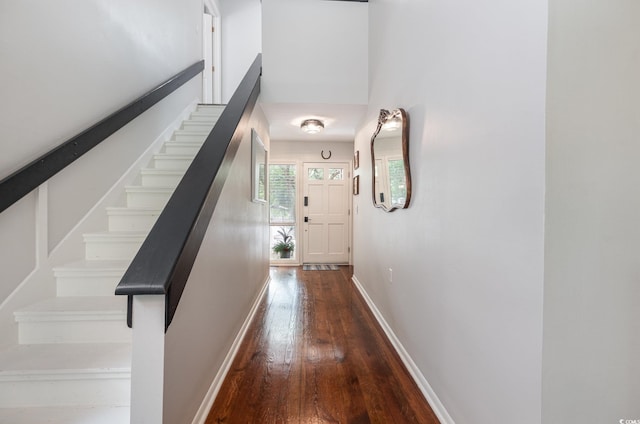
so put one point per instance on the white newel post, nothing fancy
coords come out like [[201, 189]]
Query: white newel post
[[147, 366]]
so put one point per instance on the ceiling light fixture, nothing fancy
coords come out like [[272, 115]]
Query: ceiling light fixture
[[312, 126]]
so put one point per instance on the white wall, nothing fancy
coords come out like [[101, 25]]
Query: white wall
[[65, 66], [467, 256], [315, 51], [591, 372], [231, 267], [241, 41], [306, 151]]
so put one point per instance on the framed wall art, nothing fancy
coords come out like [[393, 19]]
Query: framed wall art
[[258, 169]]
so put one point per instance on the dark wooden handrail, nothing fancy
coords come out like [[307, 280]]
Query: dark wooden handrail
[[163, 263], [28, 178]]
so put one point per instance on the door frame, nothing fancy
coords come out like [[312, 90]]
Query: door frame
[[212, 8]]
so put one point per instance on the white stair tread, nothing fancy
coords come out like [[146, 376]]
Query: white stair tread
[[58, 358], [66, 415], [183, 143], [198, 123], [115, 236], [205, 116], [193, 145], [139, 210], [84, 266], [192, 131], [209, 118], [190, 135], [172, 156], [183, 147], [69, 306], [156, 171], [146, 189], [209, 108], [208, 111]]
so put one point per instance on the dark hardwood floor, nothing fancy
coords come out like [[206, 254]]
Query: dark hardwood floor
[[315, 354]]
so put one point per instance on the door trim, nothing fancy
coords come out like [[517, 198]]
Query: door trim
[[212, 8]]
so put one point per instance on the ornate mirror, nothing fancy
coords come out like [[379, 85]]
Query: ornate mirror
[[390, 161]]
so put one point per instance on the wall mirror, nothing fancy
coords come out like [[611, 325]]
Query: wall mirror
[[390, 161]]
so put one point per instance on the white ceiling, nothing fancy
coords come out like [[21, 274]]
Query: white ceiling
[[311, 72], [340, 121]]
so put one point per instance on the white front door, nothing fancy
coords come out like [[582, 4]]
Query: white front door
[[326, 192]]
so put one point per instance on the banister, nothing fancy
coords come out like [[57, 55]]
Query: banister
[[165, 259], [28, 178]]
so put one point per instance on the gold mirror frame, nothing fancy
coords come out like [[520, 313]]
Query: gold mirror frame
[[397, 140]]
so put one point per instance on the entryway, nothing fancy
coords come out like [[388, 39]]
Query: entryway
[[310, 212]]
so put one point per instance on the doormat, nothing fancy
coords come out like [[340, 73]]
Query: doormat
[[317, 267]]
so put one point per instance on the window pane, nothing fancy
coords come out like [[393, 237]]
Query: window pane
[[397, 182], [282, 193], [336, 174], [316, 173]]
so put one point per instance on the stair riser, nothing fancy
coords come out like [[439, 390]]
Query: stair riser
[[101, 390], [210, 118], [161, 180], [147, 200], [207, 112], [87, 286], [205, 115], [112, 249], [132, 222], [172, 163], [89, 331], [190, 137], [209, 109], [183, 149], [197, 126]]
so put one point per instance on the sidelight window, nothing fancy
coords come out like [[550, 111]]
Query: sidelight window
[[282, 205]]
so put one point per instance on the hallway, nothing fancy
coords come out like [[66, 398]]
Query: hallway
[[315, 354]]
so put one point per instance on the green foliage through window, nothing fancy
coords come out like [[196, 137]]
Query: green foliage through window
[[316, 173], [397, 182]]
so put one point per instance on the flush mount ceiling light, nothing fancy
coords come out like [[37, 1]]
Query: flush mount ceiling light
[[312, 126]]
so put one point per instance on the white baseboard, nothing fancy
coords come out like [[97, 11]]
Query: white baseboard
[[426, 389], [207, 403]]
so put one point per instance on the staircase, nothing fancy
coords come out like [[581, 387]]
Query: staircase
[[73, 361]]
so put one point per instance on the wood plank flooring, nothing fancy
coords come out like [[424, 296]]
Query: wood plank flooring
[[315, 354]]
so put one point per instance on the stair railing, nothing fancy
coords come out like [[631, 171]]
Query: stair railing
[[158, 274], [31, 176], [165, 259]]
